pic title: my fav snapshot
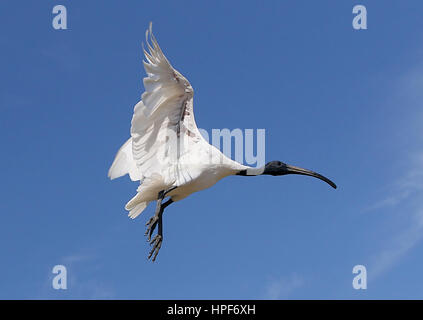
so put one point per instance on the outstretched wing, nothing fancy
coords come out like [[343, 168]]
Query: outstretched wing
[[166, 148], [162, 117]]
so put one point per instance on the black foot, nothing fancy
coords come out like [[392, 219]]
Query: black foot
[[151, 225], [156, 242]]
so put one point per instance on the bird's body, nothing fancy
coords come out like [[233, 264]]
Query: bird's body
[[166, 151], [197, 170]]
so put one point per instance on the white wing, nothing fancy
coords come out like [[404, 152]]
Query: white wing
[[124, 163], [164, 114], [163, 118]]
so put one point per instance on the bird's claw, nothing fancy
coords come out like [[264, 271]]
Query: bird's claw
[[156, 242], [151, 225]]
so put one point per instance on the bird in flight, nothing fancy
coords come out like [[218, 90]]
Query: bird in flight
[[167, 153]]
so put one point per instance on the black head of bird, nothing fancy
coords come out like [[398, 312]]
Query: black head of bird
[[278, 168]]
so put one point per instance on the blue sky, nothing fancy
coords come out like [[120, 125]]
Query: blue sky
[[343, 102]]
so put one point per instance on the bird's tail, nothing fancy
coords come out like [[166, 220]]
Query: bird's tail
[[135, 207], [146, 192]]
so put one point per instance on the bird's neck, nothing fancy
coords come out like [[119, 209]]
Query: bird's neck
[[251, 171]]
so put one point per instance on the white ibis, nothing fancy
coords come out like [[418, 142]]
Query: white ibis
[[166, 151]]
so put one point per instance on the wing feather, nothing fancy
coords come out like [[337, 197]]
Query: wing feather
[[158, 115]]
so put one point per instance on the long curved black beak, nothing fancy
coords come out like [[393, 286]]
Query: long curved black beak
[[297, 170]]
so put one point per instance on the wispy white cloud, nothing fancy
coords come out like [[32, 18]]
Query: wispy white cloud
[[79, 285], [389, 201], [281, 288], [400, 245], [403, 200], [406, 196], [81, 280]]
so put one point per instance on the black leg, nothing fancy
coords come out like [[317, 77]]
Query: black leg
[[157, 219], [152, 222], [156, 242]]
